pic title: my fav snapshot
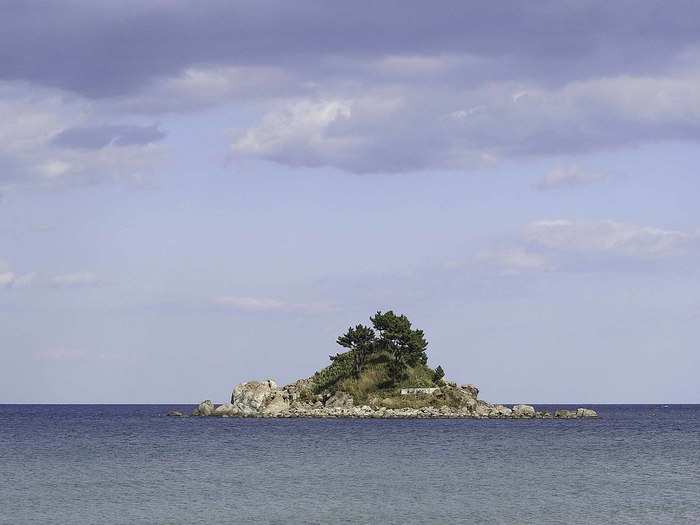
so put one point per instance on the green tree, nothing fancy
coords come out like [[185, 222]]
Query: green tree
[[406, 345], [361, 341], [439, 374]]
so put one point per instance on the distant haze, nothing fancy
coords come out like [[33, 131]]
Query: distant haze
[[193, 194]]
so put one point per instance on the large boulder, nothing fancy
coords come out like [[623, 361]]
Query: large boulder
[[460, 397], [206, 408], [227, 409], [523, 411], [500, 411], [471, 389], [252, 397], [586, 412], [276, 404], [340, 400], [482, 409], [301, 389]]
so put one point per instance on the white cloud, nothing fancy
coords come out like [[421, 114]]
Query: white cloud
[[395, 126], [75, 280], [568, 177], [299, 133], [59, 354], [514, 260], [200, 87], [268, 305], [608, 237], [31, 118], [9, 279]]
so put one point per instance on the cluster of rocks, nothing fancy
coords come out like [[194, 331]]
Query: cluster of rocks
[[266, 399]]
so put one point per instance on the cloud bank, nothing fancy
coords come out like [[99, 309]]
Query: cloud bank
[[368, 88]]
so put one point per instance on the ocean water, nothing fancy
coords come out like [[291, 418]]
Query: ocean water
[[131, 464]]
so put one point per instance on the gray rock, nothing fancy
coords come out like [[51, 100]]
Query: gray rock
[[205, 408], [482, 409], [523, 411], [565, 414], [227, 409], [500, 411], [176, 413], [251, 397], [586, 412], [472, 389], [340, 400], [276, 404]]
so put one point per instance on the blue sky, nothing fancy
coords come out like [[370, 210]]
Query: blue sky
[[196, 196]]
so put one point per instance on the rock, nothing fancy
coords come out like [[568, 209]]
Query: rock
[[460, 397], [340, 400], [227, 409], [251, 397], [523, 411], [565, 414], [205, 408], [586, 412], [276, 404], [301, 389], [176, 413], [482, 409], [500, 411], [472, 389]]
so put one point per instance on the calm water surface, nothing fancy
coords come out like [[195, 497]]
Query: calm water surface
[[130, 464]]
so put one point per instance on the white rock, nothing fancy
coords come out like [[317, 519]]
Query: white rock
[[252, 397], [586, 412], [205, 408], [227, 409], [523, 411]]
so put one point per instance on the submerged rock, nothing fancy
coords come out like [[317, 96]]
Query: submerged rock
[[176, 413]]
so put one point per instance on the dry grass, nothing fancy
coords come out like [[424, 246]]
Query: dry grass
[[408, 401], [369, 382]]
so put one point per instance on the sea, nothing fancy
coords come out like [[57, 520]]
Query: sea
[[130, 464]]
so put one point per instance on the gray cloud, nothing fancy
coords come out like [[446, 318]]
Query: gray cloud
[[108, 48], [368, 87], [408, 127], [97, 137], [48, 138]]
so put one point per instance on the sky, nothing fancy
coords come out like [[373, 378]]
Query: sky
[[198, 194]]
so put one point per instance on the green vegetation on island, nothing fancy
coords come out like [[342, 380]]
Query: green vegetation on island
[[379, 360], [382, 372]]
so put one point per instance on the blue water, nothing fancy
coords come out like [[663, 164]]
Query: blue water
[[130, 464]]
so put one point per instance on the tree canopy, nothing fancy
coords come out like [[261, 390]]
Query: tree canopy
[[392, 335], [361, 342]]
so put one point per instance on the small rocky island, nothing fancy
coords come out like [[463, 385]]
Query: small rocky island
[[382, 373]]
